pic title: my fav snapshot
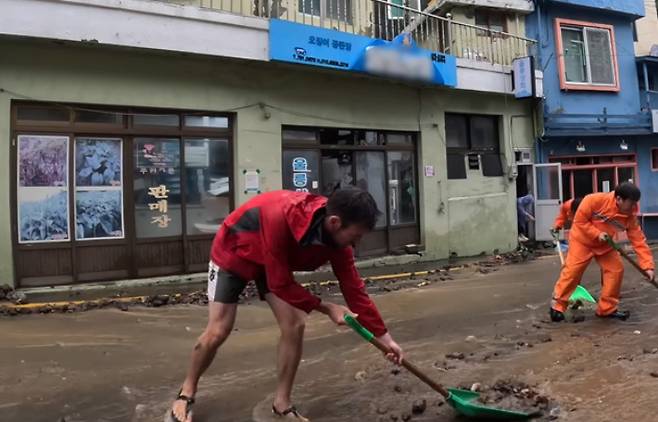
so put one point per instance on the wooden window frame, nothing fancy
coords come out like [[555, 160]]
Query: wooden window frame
[[127, 132], [479, 151], [588, 86], [594, 167]]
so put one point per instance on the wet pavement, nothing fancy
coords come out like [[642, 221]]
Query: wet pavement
[[481, 327]]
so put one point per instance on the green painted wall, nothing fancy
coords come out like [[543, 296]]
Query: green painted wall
[[294, 96]]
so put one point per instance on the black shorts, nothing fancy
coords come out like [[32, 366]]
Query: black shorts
[[225, 287]]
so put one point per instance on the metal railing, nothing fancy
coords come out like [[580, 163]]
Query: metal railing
[[386, 20]]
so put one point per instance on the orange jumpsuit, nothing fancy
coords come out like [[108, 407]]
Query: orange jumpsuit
[[585, 245], [564, 216]]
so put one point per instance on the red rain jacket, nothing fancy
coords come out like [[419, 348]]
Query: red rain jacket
[[265, 237]]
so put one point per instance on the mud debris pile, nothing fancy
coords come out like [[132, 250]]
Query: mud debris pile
[[514, 395]]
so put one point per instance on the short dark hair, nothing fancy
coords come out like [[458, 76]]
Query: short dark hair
[[353, 206], [627, 190], [575, 204]]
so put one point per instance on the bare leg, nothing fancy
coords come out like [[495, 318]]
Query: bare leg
[[221, 317], [291, 322]]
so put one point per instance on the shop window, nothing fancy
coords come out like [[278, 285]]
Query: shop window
[[605, 179], [167, 120], [43, 189], [337, 137], [370, 137], [583, 183], [587, 56], [299, 136], [626, 174], [157, 187], [371, 177], [104, 117], [98, 188], [216, 122], [654, 159], [207, 186], [398, 139], [43, 114], [475, 137], [380, 162], [588, 174], [402, 185], [124, 204]]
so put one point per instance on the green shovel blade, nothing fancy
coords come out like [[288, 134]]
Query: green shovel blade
[[464, 402], [582, 294]]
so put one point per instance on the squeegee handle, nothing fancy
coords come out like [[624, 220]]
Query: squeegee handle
[[369, 337]]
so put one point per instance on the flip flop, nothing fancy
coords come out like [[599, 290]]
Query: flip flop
[[290, 413], [189, 401]]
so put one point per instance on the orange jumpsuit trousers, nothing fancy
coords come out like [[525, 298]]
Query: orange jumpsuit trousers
[[577, 261]]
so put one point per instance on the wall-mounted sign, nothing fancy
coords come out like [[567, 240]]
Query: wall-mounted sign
[[400, 59], [251, 181], [523, 77]]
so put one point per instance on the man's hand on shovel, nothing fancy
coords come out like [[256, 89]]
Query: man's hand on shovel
[[651, 275], [395, 351]]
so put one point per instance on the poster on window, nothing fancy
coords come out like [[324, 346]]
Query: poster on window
[[98, 214], [162, 155], [42, 192], [43, 161], [97, 162], [43, 215]]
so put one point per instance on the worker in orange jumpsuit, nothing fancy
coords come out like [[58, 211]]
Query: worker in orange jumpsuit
[[597, 219], [567, 212]]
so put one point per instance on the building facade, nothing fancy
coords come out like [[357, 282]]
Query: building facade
[[130, 129], [597, 127]]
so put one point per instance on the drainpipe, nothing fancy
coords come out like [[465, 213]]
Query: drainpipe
[[646, 84], [540, 64]]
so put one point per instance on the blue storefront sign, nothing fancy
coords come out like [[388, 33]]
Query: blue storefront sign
[[401, 58]]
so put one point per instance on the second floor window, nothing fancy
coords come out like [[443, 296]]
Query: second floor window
[[587, 56], [329, 9], [492, 20]]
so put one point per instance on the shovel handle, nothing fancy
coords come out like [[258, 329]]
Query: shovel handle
[[556, 240], [370, 338], [631, 260]]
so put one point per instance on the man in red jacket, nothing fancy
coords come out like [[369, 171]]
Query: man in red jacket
[[265, 240]]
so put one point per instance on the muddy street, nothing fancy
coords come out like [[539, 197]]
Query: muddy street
[[475, 330]]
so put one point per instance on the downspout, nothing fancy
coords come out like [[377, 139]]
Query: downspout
[[645, 72], [540, 66]]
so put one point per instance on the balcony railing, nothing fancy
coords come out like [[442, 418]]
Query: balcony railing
[[385, 20]]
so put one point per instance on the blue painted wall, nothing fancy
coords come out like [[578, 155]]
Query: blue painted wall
[[625, 102], [630, 7]]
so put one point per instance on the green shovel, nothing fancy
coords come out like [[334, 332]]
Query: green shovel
[[580, 294], [465, 402]]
